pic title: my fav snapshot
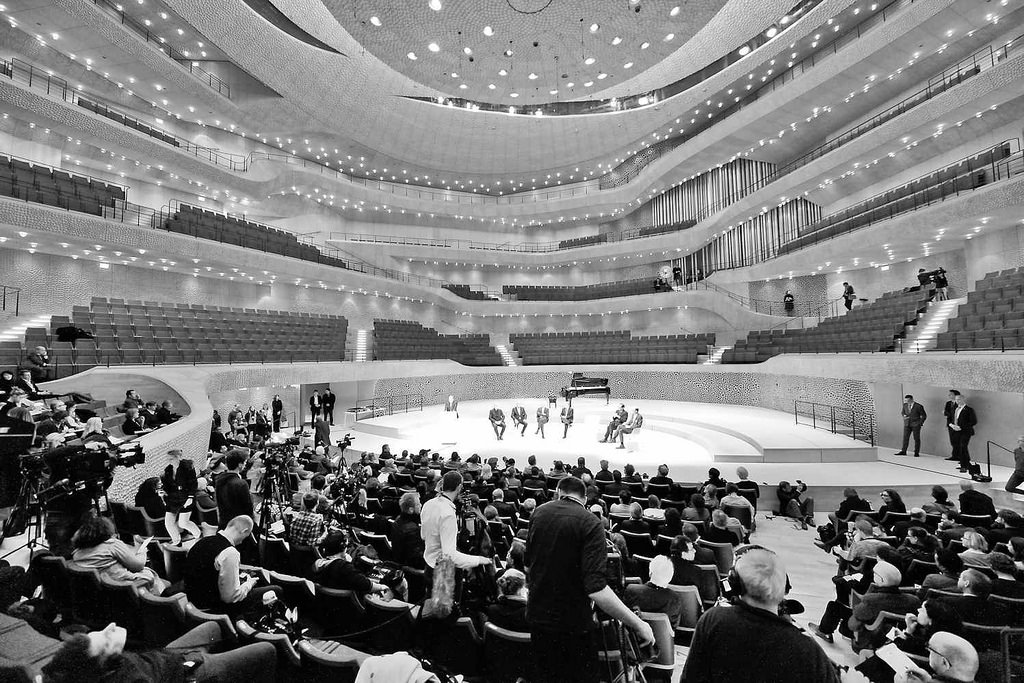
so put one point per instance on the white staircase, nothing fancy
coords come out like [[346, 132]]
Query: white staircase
[[716, 355], [16, 332], [933, 321], [506, 356], [362, 350]]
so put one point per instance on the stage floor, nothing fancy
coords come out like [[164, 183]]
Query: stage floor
[[678, 433]]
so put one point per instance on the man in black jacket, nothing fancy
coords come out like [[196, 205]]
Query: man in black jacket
[[406, 541], [234, 500], [974, 502], [962, 428], [947, 411], [913, 419], [327, 403]]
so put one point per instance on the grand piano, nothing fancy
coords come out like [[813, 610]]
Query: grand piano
[[582, 385]]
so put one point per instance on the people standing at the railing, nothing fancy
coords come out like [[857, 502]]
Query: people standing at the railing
[[914, 416], [848, 295], [788, 302]]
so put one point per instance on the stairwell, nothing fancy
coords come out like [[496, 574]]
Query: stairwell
[[509, 356], [361, 350], [930, 324], [715, 357]]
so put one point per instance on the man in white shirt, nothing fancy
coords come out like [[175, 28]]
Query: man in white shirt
[[439, 529]]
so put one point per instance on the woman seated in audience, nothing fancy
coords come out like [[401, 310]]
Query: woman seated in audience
[[500, 532], [509, 611], [558, 471], [933, 616], [975, 552], [95, 433], [673, 525], [891, 502], [68, 421], [918, 545], [654, 511], [697, 510], [711, 496], [6, 384], [635, 524], [940, 502], [95, 547], [150, 498], [622, 507], [714, 479]]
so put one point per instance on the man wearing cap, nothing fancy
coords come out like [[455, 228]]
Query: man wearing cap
[[655, 595], [883, 595], [913, 418]]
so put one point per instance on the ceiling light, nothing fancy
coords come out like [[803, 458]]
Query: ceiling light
[[616, 40], [532, 76], [552, 92], [588, 84], [674, 11], [491, 86], [601, 76], [434, 47], [745, 50], [627, 65], [412, 56], [669, 37], [513, 94], [594, 28], [463, 86], [589, 60], [644, 45], [502, 72], [508, 53], [772, 31], [435, 5], [488, 31], [467, 50], [375, 21]]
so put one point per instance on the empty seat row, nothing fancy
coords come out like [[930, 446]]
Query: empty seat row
[[408, 340], [117, 116], [991, 319]]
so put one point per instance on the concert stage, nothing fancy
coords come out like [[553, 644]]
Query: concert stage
[[681, 434]]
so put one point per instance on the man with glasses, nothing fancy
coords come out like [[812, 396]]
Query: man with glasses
[[950, 657]]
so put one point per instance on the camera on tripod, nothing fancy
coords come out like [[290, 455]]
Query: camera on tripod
[[346, 442]]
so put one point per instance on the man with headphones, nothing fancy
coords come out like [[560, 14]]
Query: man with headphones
[[747, 640]]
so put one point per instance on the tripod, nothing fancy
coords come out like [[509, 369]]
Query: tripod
[[276, 493], [26, 508], [631, 655]]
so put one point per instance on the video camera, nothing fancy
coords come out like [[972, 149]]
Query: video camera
[[277, 457], [346, 442], [76, 469], [928, 277]]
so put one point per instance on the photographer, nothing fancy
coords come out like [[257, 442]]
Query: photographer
[[567, 569], [440, 529]]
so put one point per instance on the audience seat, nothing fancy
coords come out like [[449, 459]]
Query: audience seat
[[163, 618], [395, 622], [337, 611], [408, 340], [328, 661], [508, 655]]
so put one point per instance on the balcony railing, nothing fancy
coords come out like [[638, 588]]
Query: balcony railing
[[380, 406], [857, 424], [11, 296]]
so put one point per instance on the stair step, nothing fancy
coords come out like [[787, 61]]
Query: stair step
[[930, 324], [716, 355], [506, 356], [17, 331], [362, 346]]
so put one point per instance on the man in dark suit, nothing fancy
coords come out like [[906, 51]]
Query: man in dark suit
[[913, 419], [519, 419], [962, 427], [497, 418], [975, 502], [26, 384], [327, 402], [947, 412], [702, 555], [276, 410], [567, 417], [973, 605], [233, 499]]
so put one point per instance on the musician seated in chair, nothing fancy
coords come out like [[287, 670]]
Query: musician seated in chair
[[634, 423]]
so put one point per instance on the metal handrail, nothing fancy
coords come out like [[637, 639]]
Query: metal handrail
[[193, 67], [377, 406], [834, 418], [16, 292]]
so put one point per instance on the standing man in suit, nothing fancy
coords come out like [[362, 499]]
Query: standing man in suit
[[542, 419], [452, 406], [519, 418], [327, 401], [947, 412], [277, 410], [314, 407], [913, 418], [497, 418], [962, 425], [234, 499], [567, 417]]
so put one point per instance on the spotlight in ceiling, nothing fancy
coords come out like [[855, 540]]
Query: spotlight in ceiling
[[589, 60], [772, 31], [467, 50], [594, 28], [627, 65], [745, 50], [674, 11], [488, 31], [532, 77], [669, 38], [616, 40], [375, 21], [412, 56], [434, 47], [435, 5], [644, 45]]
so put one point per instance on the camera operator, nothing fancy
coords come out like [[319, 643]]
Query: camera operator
[[440, 529], [567, 570]]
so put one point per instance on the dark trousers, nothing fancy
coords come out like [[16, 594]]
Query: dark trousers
[[837, 615], [1014, 482], [565, 657], [499, 429], [253, 663], [960, 451], [521, 425], [848, 303], [329, 414], [277, 422], [914, 430], [565, 432]]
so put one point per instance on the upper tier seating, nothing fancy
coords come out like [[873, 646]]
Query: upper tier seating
[[572, 348], [39, 183], [465, 292], [582, 241], [604, 290], [869, 328], [132, 332], [663, 229], [962, 176], [408, 340], [210, 225], [992, 318], [117, 116]]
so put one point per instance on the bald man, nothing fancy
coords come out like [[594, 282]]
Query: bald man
[[951, 658], [748, 640], [213, 579]]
